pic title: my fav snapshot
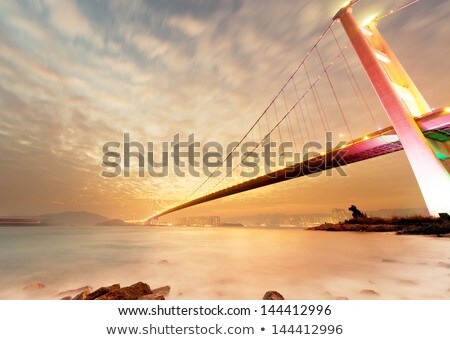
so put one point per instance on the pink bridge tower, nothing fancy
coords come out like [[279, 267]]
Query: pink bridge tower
[[402, 102]]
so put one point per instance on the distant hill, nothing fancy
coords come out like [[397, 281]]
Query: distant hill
[[73, 218]]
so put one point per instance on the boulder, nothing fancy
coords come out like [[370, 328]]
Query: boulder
[[81, 296], [369, 292], [162, 290], [152, 297], [328, 296], [102, 291], [273, 295], [444, 264], [34, 286], [132, 292]]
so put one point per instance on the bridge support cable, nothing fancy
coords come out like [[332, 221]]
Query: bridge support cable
[[325, 127], [291, 131], [355, 85], [334, 94], [302, 112], [264, 113], [298, 103]]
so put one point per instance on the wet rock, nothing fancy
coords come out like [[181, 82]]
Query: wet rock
[[67, 298], [152, 297], [132, 292], [273, 295], [81, 296], [102, 291], [408, 282], [328, 296], [162, 290], [444, 264], [34, 286], [369, 292], [389, 261], [74, 292]]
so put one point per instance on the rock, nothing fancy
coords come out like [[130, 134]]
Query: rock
[[163, 262], [369, 292], [273, 295], [328, 296], [162, 290], [67, 298], [74, 292], [444, 264], [342, 298], [81, 296], [407, 282], [132, 292], [152, 297], [34, 286], [102, 291], [389, 260]]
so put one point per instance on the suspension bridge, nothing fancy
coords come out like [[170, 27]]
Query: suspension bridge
[[350, 81]]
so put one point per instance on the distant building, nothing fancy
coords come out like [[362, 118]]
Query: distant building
[[305, 220], [200, 221]]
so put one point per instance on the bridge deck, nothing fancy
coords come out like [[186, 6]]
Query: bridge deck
[[373, 145]]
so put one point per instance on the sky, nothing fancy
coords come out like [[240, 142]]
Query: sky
[[77, 74]]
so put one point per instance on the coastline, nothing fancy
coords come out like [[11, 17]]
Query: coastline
[[438, 227]]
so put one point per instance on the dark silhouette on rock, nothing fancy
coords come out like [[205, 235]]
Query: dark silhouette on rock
[[356, 213], [273, 295]]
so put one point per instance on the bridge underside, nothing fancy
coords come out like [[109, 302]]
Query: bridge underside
[[435, 126]]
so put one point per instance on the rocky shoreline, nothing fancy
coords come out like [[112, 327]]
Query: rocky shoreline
[[137, 291], [439, 227]]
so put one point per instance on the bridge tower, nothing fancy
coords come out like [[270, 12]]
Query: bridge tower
[[402, 102]]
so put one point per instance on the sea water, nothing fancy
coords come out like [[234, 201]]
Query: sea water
[[225, 263]]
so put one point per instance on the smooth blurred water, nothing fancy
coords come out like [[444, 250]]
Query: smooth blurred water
[[225, 263]]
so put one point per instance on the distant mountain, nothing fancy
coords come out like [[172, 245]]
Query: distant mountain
[[73, 218]]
